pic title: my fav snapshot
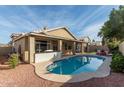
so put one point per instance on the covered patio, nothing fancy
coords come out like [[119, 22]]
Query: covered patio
[[45, 48]]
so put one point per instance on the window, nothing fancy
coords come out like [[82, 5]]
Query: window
[[68, 46], [41, 46], [55, 45]]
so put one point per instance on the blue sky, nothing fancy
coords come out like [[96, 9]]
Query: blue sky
[[81, 20]]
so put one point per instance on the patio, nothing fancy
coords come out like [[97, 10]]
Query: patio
[[24, 76]]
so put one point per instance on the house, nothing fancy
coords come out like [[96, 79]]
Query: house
[[86, 42], [47, 44], [97, 43], [86, 39]]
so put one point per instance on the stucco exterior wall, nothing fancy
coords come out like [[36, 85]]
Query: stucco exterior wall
[[121, 48], [31, 48], [44, 57], [21, 43], [61, 33], [24, 48]]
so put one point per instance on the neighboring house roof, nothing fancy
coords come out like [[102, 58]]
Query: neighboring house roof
[[46, 33]]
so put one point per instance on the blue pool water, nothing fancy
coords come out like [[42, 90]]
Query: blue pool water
[[76, 65]]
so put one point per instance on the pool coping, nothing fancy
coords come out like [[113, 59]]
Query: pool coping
[[102, 71]]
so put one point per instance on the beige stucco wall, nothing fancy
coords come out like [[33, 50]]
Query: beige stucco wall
[[31, 48], [23, 44], [61, 33], [121, 48], [60, 45]]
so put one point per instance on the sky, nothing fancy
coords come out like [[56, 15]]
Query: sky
[[81, 20]]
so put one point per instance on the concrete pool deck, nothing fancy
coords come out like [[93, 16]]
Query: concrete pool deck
[[102, 71]]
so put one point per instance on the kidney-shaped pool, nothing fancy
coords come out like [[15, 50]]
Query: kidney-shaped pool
[[76, 65]]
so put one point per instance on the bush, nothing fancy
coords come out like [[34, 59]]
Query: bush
[[117, 63], [13, 60], [113, 47]]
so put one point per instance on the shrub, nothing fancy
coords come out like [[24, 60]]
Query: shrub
[[113, 47], [13, 60], [117, 63]]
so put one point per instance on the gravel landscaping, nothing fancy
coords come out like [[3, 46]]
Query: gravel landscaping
[[24, 76]]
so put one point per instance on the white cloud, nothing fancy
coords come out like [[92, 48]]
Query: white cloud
[[84, 17], [22, 23], [30, 13], [5, 22], [92, 31]]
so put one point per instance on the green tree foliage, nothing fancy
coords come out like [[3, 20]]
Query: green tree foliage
[[112, 31], [117, 63]]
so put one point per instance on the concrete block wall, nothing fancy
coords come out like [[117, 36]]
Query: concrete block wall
[[5, 50]]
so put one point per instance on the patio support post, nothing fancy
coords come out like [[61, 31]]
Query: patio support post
[[82, 47], [60, 45], [51, 46], [31, 48], [74, 48]]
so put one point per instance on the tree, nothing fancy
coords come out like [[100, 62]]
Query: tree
[[93, 40], [112, 31]]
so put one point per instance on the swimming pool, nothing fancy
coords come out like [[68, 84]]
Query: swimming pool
[[76, 65]]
